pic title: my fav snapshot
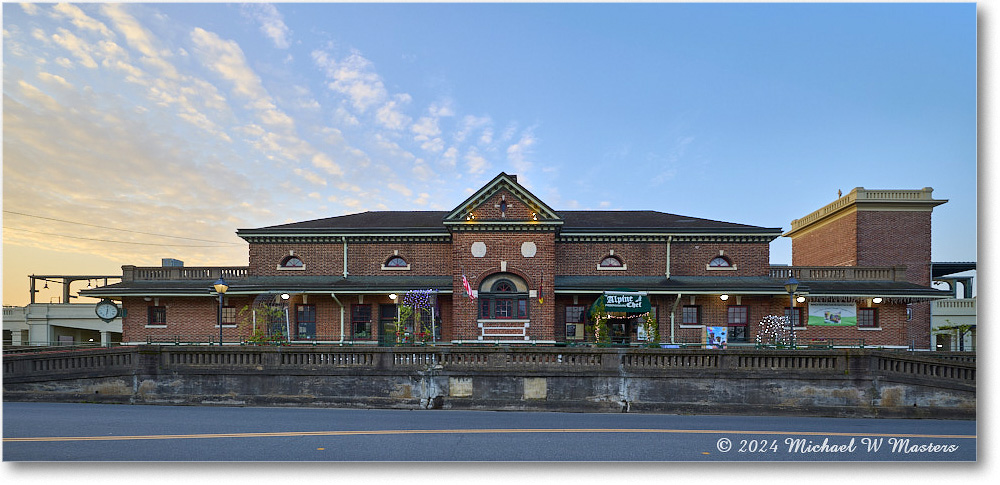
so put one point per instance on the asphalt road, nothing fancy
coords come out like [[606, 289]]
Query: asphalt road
[[106, 432]]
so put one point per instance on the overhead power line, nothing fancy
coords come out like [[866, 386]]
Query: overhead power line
[[113, 241], [117, 229]]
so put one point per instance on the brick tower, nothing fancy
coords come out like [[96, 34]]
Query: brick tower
[[873, 228]]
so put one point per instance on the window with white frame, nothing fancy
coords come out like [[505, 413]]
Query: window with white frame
[[395, 262], [292, 263], [720, 262], [612, 262]]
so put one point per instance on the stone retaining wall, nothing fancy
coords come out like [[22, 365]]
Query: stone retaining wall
[[839, 382]]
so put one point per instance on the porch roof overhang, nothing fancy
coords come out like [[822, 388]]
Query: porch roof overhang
[[673, 285], [746, 285], [276, 284]]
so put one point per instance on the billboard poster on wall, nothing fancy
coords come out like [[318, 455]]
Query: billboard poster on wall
[[716, 337], [832, 315]]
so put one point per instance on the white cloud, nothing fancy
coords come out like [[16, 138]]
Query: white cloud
[[427, 131], [469, 124], [426, 127], [400, 189], [55, 80], [36, 95], [140, 39], [450, 157], [422, 172], [76, 46], [324, 162], [354, 77], [517, 153], [227, 59], [487, 136], [29, 8], [441, 110], [272, 24], [80, 19], [389, 115], [310, 176], [476, 163]]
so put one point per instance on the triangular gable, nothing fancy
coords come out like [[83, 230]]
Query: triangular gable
[[484, 204]]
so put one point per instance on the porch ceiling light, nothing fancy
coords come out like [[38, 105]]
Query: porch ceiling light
[[285, 296], [723, 297], [801, 299], [877, 300], [393, 296]]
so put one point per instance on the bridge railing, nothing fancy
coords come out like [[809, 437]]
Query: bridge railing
[[320, 359]]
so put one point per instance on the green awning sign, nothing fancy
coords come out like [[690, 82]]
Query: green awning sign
[[626, 301]]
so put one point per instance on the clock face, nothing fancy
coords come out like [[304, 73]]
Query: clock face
[[107, 310]]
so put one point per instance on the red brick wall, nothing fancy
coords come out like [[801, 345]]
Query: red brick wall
[[892, 321], [503, 246], [834, 243], [193, 317], [888, 238], [649, 259], [690, 259], [877, 238], [363, 259], [490, 210]]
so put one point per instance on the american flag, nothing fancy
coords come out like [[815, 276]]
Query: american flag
[[468, 289]]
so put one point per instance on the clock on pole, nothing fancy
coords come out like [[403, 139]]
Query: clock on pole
[[107, 310]]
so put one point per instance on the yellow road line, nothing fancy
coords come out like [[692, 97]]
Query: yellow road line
[[465, 431]]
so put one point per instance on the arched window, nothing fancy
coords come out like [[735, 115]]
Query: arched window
[[395, 262], [292, 262], [503, 296], [503, 286], [612, 262], [719, 262]]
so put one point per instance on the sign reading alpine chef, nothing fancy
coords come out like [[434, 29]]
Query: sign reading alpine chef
[[625, 301]]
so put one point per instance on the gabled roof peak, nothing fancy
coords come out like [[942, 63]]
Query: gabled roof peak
[[540, 211]]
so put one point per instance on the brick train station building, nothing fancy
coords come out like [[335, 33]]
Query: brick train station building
[[504, 268]]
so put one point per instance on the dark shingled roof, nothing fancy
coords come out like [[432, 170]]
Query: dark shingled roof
[[368, 220], [573, 221], [645, 221]]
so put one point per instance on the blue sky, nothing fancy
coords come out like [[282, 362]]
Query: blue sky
[[193, 120]]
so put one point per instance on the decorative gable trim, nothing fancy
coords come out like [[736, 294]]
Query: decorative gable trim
[[465, 213]]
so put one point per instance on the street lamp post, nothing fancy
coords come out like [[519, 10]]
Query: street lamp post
[[790, 286], [220, 288]]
